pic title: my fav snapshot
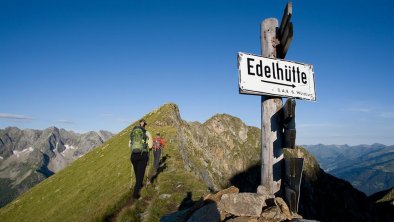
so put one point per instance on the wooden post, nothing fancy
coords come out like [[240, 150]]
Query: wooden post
[[289, 124], [271, 128]]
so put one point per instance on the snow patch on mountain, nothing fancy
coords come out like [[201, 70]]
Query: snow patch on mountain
[[24, 151]]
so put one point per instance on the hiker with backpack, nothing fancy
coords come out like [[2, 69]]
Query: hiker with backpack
[[140, 144], [158, 145]]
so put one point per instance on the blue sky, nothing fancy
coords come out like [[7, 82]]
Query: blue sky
[[89, 65]]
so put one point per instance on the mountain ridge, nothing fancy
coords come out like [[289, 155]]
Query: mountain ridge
[[96, 186], [29, 156]]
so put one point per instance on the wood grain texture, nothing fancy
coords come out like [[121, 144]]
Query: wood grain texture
[[271, 129]]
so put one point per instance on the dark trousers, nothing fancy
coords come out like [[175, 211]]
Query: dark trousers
[[139, 162], [156, 154]]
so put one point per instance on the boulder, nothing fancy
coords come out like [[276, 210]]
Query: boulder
[[207, 213], [242, 219], [243, 204], [283, 208], [217, 196], [273, 214], [279, 211], [265, 192], [178, 216]]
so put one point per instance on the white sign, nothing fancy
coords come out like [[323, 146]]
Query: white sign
[[275, 77]]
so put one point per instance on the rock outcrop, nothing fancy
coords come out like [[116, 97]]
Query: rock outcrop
[[215, 150], [229, 205], [219, 149]]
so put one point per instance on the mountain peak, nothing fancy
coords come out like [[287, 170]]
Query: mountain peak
[[224, 116], [221, 123], [169, 108], [166, 115]]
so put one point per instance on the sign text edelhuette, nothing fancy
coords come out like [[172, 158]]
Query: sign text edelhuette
[[265, 76]]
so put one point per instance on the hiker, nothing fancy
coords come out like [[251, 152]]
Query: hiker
[[158, 145], [140, 143]]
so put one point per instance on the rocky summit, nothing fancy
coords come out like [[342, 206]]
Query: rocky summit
[[230, 205], [29, 156]]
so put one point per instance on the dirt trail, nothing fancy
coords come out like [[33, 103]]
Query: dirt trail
[[112, 217]]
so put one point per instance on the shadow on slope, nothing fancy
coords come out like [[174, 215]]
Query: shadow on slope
[[323, 196], [249, 180]]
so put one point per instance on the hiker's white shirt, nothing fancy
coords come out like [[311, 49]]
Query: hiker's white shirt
[[150, 139]]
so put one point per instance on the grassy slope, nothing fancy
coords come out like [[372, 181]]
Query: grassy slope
[[174, 180], [97, 184]]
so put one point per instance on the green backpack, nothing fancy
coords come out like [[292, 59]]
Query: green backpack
[[138, 140]]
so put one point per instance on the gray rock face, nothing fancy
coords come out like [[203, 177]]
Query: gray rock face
[[243, 204], [29, 156]]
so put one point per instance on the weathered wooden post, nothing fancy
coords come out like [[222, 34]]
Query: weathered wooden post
[[289, 124], [271, 129], [272, 78]]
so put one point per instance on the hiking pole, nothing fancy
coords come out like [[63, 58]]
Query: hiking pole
[[131, 176], [147, 173]]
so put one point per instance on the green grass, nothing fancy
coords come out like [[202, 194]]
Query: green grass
[[174, 180], [81, 192], [97, 185]]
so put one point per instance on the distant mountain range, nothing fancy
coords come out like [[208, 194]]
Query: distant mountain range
[[29, 156], [369, 168]]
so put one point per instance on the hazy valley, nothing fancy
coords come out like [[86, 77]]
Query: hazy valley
[[369, 168]]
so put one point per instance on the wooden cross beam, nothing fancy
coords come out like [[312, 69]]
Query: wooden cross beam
[[285, 32]]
